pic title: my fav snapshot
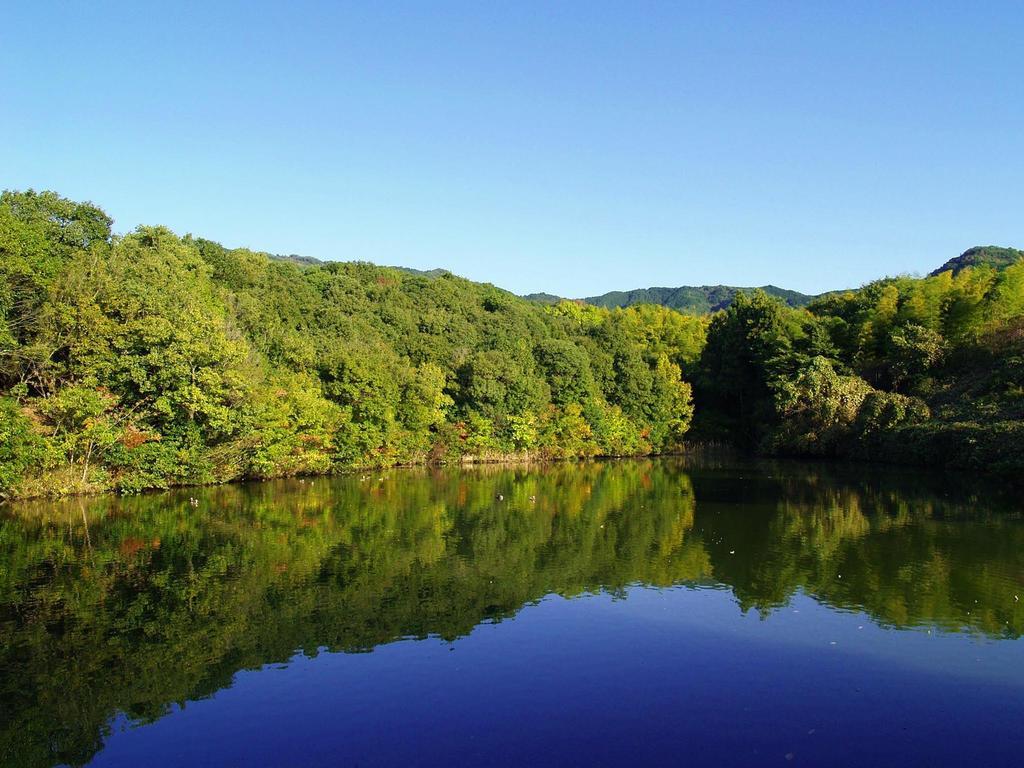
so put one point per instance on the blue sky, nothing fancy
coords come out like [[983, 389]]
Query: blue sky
[[568, 147]]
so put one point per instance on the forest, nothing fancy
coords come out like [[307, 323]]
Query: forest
[[151, 360]]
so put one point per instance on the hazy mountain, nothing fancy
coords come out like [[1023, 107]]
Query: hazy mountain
[[543, 298], [302, 261], [309, 261], [701, 299], [692, 299]]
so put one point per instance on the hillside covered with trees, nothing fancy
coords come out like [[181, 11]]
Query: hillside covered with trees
[[694, 299], [981, 256], [702, 299], [689, 299], [151, 360]]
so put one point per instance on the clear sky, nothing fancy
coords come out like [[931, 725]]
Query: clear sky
[[567, 147]]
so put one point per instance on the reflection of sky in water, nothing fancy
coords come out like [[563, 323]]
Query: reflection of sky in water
[[838, 616], [676, 676], [807, 624]]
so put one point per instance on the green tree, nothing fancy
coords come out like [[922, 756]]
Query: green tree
[[747, 350]]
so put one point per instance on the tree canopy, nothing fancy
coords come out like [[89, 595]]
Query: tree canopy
[[149, 360]]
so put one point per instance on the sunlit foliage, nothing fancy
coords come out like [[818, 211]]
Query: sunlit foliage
[[150, 360]]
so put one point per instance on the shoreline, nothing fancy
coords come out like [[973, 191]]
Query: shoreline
[[507, 459], [701, 450]]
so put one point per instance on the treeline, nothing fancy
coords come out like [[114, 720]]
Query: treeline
[[924, 371], [152, 360]]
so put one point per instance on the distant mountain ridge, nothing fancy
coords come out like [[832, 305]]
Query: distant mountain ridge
[[689, 299], [294, 258], [704, 299], [310, 261], [693, 299], [981, 256], [543, 298]]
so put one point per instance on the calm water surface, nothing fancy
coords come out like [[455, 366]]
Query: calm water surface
[[621, 613]]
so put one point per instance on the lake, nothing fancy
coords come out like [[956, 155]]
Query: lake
[[662, 612]]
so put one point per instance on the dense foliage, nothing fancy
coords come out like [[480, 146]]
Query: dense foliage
[[152, 360], [926, 371]]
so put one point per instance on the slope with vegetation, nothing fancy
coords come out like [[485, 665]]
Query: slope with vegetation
[[689, 299], [925, 371], [981, 256], [151, 360], [693, 299]]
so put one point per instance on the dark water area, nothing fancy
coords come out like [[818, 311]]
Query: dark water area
[[648, 612]]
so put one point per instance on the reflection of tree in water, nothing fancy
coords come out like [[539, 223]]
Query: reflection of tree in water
[[907, 557], [156, 601]]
